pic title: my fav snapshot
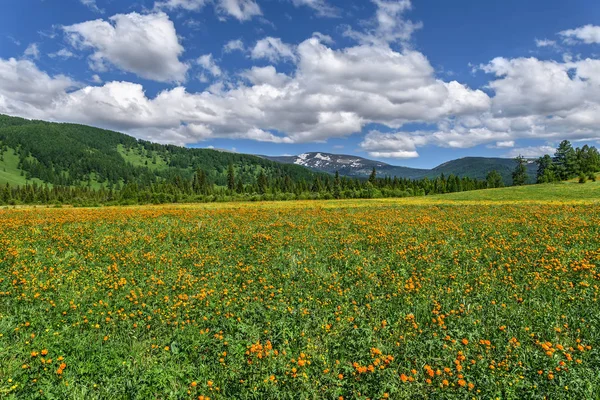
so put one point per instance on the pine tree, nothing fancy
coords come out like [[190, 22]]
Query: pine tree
[[545, 171], [262, 183], [230, 178], [494, 180], [565, 161], [519, 175], [373, 176], [336, 185]]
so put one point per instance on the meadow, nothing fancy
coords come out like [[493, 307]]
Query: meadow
[[483, 296]]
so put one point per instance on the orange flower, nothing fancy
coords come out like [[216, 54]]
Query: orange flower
[[462, 382], [465, 342], [44, 352]]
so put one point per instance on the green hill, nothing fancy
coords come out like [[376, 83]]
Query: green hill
[[479, 167], [562, 191], [78, 155]]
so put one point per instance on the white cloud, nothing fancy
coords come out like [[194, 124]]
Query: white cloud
[[505, 144], [323, 38], [91, 4], [242, 10], [27, 91], [189, 5], [272, 49], [146, 45], [266, 76], [332, 93], [589, 34], [391, 145], [96, 79], [531, 152], [530, 86], [234, 45], [208, 63], [322, 7], [62, 53], [388, 25], [32, 51], [325, 93], [545, 43]]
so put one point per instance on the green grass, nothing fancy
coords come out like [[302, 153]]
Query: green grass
[[142, 160], [10, 172], [414, 298], [543, 192]]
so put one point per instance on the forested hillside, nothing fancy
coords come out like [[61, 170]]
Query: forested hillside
[[73, 155], [44, 162]]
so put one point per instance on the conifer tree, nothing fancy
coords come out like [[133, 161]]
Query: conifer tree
[[519, 175], [231, 178], [373, 176]]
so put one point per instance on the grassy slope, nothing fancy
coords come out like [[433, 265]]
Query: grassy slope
[[10, 172], [142, 160], [547, 192]]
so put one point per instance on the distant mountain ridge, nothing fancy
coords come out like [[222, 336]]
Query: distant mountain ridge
[[354, 166]]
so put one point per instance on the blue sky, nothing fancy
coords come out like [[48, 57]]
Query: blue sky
[[411, 83]]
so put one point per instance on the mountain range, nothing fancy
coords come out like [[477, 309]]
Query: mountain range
[[354, 166]]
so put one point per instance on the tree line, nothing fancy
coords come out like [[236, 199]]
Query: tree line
[[567, 163], [200, 188]]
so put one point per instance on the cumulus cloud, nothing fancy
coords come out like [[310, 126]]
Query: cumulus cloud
[[589, 34], [391, 145], [27, 91], [389, 25], [234, 45], [321, 7], [146, 45], [531, 86], [547, 98], [332, 93], [533, 99], [208, 63], [266, 76], [324, 93], [242, 10], [272, 49]]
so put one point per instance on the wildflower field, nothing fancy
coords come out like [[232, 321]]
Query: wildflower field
[[302, 300]]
